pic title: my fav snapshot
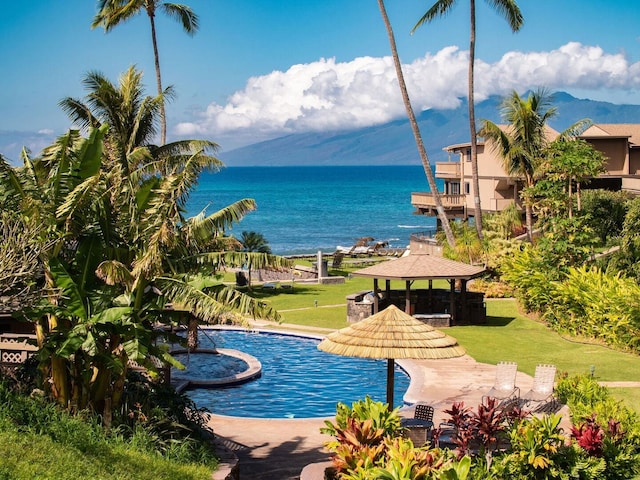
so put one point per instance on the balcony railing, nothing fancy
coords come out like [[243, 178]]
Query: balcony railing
[[427, 199], [448, 170]]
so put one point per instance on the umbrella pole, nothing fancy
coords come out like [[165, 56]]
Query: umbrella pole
[[390, 369]]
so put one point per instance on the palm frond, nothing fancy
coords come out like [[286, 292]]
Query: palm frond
[[509, 10], [111, 13], [203, 230], [209, 306], [113, 272], [78, 113], [78, 199], [257, 260], [438, 9], [574, 130], [184, 15]]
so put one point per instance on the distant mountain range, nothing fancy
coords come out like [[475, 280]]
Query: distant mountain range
[[393, 144]]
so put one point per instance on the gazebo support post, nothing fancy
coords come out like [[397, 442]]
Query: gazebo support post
[[452, 300], [430, 298], [463, 301], [387, 285], [376, 304], [390, 382], [407, 301]]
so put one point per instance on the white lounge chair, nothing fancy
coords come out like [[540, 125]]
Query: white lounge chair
[[505, 383], [542, 391]]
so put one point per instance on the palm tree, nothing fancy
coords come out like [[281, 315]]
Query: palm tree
[[113, 12], [508, 9], [523, 142], [132, 116], [416, 130], [119, 248], [253, 242]]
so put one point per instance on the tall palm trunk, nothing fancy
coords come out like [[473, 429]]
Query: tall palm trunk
[[192, 334], [416, 130], [472, 124], [528, 211], [156, 57]]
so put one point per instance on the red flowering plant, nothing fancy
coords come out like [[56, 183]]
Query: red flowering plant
[[590, 436]]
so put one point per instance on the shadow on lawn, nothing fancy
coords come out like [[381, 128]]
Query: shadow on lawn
[[498, 321], [259, 293]]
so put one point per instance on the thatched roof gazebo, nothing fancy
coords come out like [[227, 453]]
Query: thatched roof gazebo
[[423, 267], [391, 334]]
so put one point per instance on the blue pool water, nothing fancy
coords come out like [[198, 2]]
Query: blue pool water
[[205, 366], [298, 380]]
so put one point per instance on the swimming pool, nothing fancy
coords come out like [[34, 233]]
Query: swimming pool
[[298, 380]]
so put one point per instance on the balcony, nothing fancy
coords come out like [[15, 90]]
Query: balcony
[[425, 204], [448, 170]]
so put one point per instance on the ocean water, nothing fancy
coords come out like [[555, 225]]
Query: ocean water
[[301, 210]]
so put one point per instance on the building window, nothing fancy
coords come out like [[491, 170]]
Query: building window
[[467, 188], [468, 155]]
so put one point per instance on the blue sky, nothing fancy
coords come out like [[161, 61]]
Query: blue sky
[[259, 69]]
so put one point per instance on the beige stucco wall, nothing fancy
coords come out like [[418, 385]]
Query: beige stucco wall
[[616, 153], [634, 162], [497, 190]]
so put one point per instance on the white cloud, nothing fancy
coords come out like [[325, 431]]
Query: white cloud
[[326, 95]]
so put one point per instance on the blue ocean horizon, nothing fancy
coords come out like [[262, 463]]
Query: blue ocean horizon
[[301, 210]]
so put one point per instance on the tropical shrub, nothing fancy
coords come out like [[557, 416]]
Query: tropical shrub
[[606, 433], [482, 431], [359, 432], [627, 259], [593, 304], [530, 276], [468, 247], [503, 225], [37, 415], [566, 242], [405, 462], [604, 212], [172, 421], [579, 300], [537, 448], [604, 441], [491, 288]]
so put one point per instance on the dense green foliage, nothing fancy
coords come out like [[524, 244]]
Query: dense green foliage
[[565, 167], [368, 445], [494, 442], [627, 259], [582, 301], [603, 428], [605, 212], [67, 447], [117, 247]]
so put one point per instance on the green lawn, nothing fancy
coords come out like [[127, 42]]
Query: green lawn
[[26, 455], [508, 335]]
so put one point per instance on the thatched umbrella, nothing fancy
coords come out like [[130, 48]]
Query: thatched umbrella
[[391, 334]]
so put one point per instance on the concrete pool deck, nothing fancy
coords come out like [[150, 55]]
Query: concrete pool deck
[[279, 449]]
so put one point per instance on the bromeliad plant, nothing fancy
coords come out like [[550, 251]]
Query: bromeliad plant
[[360, 432], [369, 445], [606, 433], [536, 449], [481, 429]]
